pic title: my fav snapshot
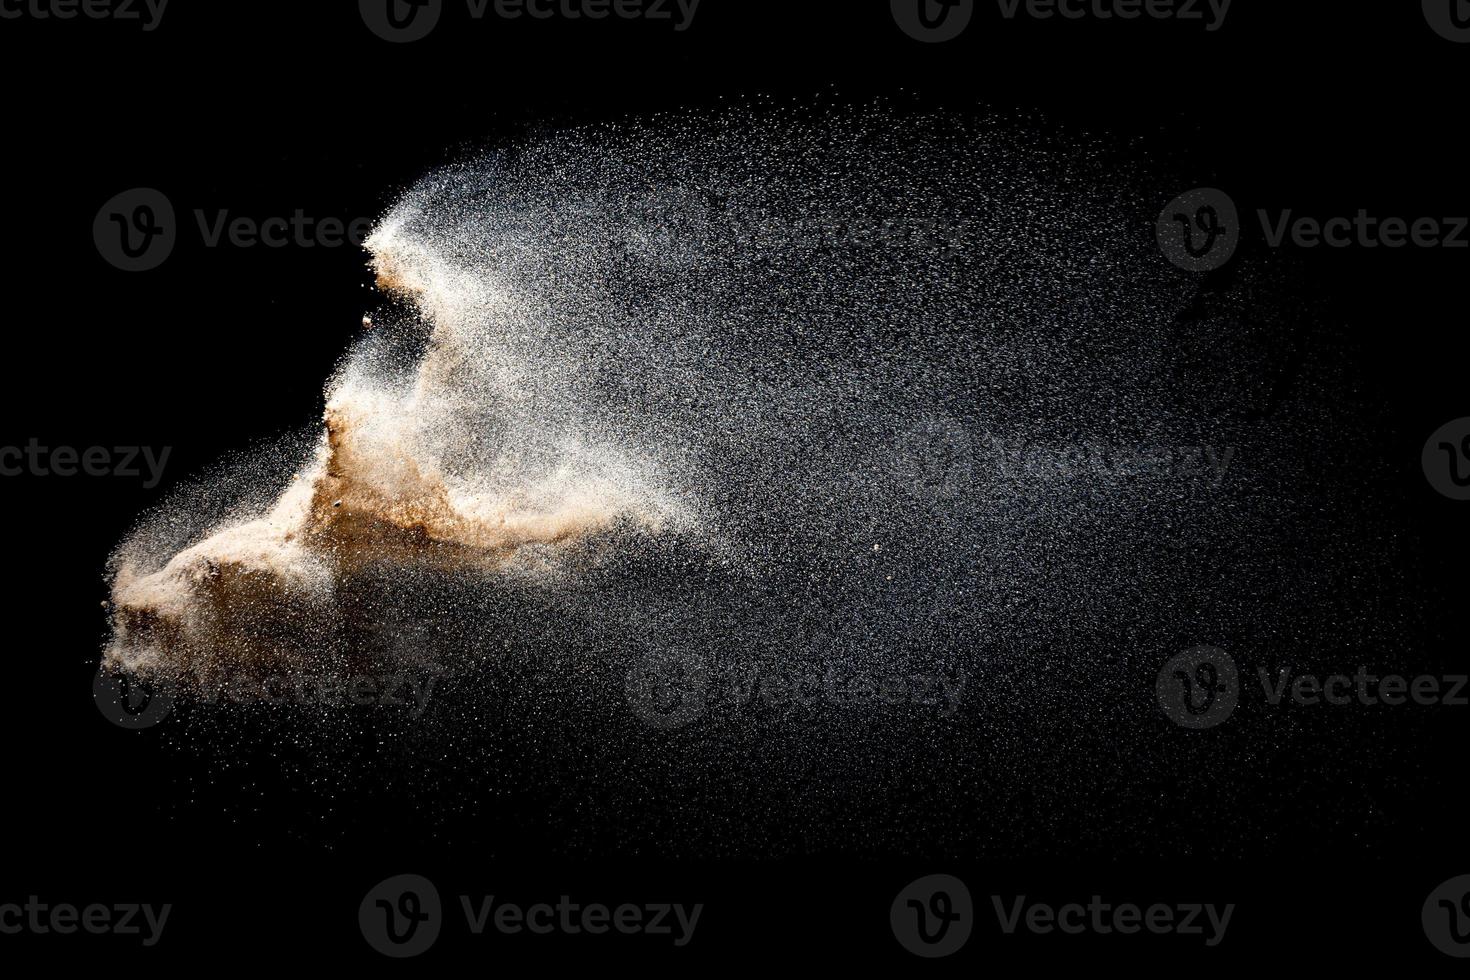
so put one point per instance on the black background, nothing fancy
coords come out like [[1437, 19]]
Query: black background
[[262, 108]]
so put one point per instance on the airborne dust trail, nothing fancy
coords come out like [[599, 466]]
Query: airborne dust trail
[[848, 395]]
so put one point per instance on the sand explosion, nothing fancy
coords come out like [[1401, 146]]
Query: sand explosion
[[265, 594], [741, 388], [747, 475]]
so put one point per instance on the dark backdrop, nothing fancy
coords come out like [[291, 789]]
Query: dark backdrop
[[262, 108]]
